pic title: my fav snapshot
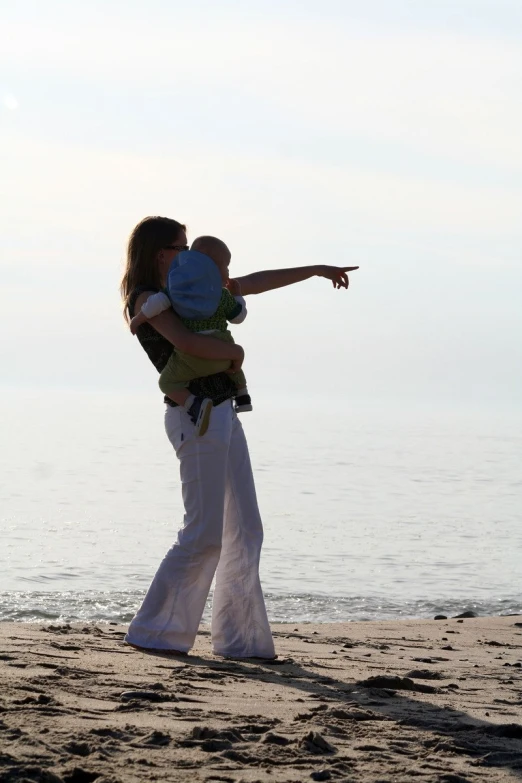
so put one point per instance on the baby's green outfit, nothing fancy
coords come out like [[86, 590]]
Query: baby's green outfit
[[182, 368]]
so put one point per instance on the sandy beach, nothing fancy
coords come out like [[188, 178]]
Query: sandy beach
[[423, 700]]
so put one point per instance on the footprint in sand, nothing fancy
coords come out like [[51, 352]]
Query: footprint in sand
[[78, 748], [155, 739], [276, 739], [315, 743], [424, 674], [151, 696], [396, 683]]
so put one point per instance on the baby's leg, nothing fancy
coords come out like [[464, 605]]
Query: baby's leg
[[173, 381], [243, 402], [242, 399], [179, 397], [239, 381], [198, 408], [182, 368]]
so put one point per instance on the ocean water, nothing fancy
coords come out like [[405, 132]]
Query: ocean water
[[368, 513]]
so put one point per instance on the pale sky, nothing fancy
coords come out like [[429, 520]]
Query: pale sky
[[386, 134]]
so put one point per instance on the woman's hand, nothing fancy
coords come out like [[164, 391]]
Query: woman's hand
[[337, 274], [136, 322], [236, 364]]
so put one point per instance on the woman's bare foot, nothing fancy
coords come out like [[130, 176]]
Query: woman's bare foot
[[156, 650], [247, 657]]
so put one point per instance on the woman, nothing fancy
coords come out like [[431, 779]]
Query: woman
[[222, 527]]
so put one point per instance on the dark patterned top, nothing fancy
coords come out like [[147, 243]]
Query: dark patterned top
[[218, 387]]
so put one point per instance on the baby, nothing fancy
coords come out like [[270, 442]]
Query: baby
[[195, 290]]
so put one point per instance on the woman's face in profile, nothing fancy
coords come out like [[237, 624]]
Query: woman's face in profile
[[167, 254]]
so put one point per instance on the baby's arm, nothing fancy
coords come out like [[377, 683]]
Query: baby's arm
[[240, 317], [155, 304], [235, 307]]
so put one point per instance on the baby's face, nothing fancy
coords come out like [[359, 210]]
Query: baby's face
[[222, 261]]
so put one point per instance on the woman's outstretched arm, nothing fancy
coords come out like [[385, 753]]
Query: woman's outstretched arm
[[259, 282]]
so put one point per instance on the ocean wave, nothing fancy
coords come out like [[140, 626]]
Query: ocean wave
[[120, 607]]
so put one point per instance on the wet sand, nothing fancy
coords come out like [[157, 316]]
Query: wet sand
[[435, 701]]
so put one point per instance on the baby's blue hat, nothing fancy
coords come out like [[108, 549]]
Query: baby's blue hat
[[194, 285]]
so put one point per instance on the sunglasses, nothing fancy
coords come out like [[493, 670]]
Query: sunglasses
[[180, 248]]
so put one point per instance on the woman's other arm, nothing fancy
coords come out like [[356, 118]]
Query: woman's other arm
[[259, 282], [172, 329]]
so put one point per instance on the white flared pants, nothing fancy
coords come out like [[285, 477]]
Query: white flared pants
[[221, 530]]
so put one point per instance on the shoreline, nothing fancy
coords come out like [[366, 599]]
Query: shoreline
[[78, 705], [74, 606]]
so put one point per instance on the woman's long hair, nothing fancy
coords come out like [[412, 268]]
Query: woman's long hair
[[145, 242]]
